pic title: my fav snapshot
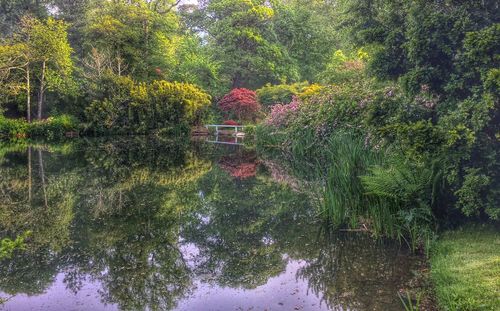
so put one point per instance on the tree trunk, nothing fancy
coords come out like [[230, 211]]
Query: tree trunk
[[42, 176], [29, 176], [41, 92], [236, 81], [28, 95]]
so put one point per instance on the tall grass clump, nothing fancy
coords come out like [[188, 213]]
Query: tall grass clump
[[345, 160], [364, 187], [268, 139]]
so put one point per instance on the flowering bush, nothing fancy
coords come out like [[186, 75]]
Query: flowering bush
[[281, 113], [241, 103], [310, 91], [230, 122]]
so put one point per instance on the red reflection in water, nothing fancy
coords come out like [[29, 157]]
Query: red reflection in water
[[241, 166]]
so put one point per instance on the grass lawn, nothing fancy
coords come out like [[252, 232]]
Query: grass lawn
[[465, 269]]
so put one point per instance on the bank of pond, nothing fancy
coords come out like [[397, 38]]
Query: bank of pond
[[136, 223]]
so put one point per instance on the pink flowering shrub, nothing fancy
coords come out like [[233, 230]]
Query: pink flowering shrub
[[281, 113]]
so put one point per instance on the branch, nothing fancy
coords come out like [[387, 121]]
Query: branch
[[173, 5]]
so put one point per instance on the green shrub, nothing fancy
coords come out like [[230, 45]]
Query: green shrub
[[410, 189], [142, 108], [8, 246], [279, 94], [13, 128], [164, 102], [53, 128], [50, 129], [250, 131]]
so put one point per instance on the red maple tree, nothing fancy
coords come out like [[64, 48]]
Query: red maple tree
[[242, 103], [231, 122]]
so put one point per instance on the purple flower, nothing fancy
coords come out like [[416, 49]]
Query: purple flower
[[281, 113]]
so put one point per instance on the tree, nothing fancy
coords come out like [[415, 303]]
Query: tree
[[12, 12], [50, 55], [15, 74], [137, 34], [241, 36], [305, 29], [37, 55], [242, 103]]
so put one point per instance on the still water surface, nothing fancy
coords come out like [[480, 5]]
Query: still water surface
[[148, 224]]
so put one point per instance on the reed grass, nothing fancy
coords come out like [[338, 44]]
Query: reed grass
[[408, 303], [359, 187]]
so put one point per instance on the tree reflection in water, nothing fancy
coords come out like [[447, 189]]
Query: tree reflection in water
[[122, 214], [111, 219], [351, 271]]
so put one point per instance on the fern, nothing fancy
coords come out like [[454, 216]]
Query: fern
[[400, 181]]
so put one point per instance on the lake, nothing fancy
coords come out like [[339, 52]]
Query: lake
[[153, 224]]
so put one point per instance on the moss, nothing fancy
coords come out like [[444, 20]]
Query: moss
[[465, 269]]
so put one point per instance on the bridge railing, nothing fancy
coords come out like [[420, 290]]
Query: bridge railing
[[222, 126]]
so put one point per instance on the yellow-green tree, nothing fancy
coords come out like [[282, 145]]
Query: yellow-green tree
[[50, 55], [15, 74], [36, 58]]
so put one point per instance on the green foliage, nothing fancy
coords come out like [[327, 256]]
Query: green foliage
[[14, 10], [37, 57], [410, 189], [475, 196], [243, 40], [304, 27], [280, 94], [123, 105], [455, 120], [8, 246], [344, 68], [138, 39], [53, 128], [344, 198], [193, 64], [11, 128], [172, 102], [325, 110], [47, 41]]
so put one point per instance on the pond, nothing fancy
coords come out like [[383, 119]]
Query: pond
[[152, 224]]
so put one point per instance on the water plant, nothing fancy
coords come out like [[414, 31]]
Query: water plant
[[408, 303]]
